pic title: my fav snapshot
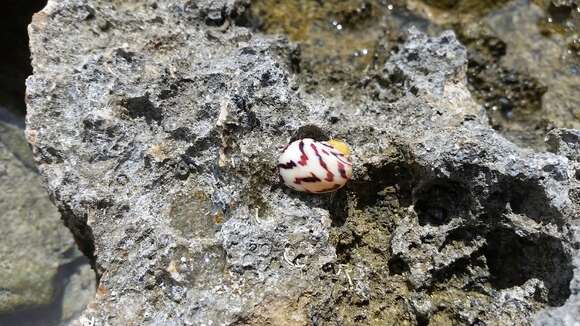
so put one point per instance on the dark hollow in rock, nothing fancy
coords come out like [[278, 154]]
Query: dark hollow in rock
[[512, 260], [524, 197], [50, 155], [390, 173], [560, 13], [126, 55], [338, 207], [398, 266], [464, 234], [142, 107], [439, 201], [83, 235], [310, 131]]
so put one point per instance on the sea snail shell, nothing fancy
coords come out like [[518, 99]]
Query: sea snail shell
[[315, 167]]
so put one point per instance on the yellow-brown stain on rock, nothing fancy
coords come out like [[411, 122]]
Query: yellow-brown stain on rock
[[159, 152], [39, 20], [280, 312]]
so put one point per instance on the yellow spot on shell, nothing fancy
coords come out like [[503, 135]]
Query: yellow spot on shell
[[339, 146]]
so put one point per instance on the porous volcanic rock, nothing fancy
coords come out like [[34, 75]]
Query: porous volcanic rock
[[157, 125]]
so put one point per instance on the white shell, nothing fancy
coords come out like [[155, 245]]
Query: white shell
[[311, 166]]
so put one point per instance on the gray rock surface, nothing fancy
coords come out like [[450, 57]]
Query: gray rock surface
[[565, 142], [26, 281], [157, 126], [38, 252], [78, 292]]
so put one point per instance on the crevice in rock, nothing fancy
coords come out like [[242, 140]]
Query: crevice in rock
[[309, 131], [83, 235], [521, 196], [464, 235], [530, 199], [339, 208], [344, 248]]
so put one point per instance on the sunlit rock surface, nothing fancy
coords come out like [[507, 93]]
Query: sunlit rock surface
[[157, 126]]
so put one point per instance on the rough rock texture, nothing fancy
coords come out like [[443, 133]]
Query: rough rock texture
[[566, 143], [157, 126], [523, 61], [38, 252]]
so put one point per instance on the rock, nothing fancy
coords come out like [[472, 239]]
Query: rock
[[565, 142], [26, 281], [522, 61], [79, 291], [159, 146], [568, 313], [35, 247], [14, 143]]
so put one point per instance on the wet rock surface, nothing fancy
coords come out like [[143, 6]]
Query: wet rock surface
[[523, 62], [522, 55], [159, 147]]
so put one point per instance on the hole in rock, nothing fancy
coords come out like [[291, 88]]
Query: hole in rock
[[438, 202], [142, 107], [524, 197], [344, 249], [398, 266], [310, 131], [513, 260], [530, 199]]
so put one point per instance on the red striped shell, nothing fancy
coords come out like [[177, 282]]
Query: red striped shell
[[316, 167]]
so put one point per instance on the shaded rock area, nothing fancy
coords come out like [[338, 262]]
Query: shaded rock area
[[159, 147], [15, 55], [39, 257]]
